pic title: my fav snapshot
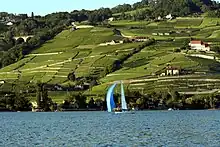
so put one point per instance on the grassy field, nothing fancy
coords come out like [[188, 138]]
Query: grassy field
[[70, 51], [79, 52]]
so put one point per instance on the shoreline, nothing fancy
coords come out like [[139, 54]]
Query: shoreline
[[92, 110]]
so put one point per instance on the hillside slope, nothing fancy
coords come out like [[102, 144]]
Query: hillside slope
[[79, 52]]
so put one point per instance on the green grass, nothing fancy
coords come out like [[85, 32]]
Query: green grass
[[68, 40], [79, 52]]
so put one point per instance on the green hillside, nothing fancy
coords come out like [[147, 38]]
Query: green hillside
[[79, 52]]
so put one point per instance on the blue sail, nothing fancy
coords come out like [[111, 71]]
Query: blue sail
[[110, 98], [123, 101]]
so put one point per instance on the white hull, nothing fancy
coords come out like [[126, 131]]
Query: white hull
[[126, 112], [170, 109]]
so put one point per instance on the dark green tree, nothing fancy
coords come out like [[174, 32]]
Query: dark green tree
[[43, 101]]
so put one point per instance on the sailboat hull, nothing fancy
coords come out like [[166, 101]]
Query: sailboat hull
[[125, 112]]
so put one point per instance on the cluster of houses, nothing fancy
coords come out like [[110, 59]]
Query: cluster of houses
[[7, 22], [197, 45], [113, 42], [138, 39], [161, 34], [132, 39], [168, 17], [171, 71]]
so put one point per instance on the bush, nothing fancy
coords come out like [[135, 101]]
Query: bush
[[177, 50]]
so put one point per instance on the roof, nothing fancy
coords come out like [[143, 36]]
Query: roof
[[140, 37], [199, 42], [196, 42], [172, 68]]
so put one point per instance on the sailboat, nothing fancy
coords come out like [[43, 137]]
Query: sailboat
[[110, 100]]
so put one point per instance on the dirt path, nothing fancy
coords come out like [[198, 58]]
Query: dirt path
[[123, 35], [170, 78], [45, 54]]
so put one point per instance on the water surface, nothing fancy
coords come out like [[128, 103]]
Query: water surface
[[101, 129]]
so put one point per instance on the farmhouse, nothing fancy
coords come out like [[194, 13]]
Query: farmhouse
[[169, 16], [9, 24], [199, 45], [2, 82], [139, 39], [111, 19], [172, 71], [113, 42], [159, 18]]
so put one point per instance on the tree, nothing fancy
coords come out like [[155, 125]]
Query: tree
[[32, 15], [91, 103], [176, 50], [216, 49], [81, 100], [21, 102], [19, 41], [71, 76], [43, 101]]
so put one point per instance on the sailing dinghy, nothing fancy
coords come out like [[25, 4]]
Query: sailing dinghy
[[111, 106]]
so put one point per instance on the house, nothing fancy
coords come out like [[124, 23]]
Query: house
[[9, 24], [111, 19], [159, 18], [172, 71], [113, 42], [73, 24], [2, 82], [169, 16], [73, 28], [139, 39], [199, 45], [121, 41]]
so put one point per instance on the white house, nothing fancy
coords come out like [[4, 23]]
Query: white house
[[9, 24], [111, 19], [2, 82], [199, 45], [169, 16], [159, 18], [113, 42], [171, 71], [73, 24]]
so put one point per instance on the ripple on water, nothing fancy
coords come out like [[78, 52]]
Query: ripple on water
[[101, 129]]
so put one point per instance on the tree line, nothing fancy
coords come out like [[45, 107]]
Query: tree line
[[18, 100]]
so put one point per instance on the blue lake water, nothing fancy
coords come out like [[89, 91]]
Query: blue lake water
[[101, 129]]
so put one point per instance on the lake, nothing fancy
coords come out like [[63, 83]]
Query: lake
[[101, 129]]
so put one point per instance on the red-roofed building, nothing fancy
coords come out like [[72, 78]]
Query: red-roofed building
[[199, 45]]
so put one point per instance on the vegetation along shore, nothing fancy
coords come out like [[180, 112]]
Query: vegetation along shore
[[165, 52]]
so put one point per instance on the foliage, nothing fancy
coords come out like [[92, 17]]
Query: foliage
[[216, 49], [71, 77], [43, 101]]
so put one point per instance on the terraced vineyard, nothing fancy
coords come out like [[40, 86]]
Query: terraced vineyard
[[79, 52]]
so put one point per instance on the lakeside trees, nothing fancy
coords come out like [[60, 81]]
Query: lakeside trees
[[45, 28], [19, 99]]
